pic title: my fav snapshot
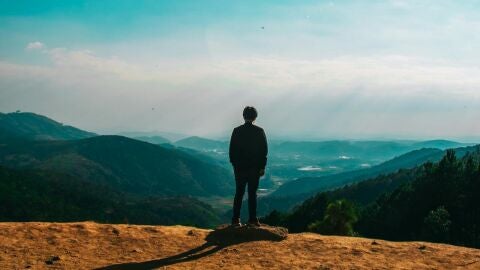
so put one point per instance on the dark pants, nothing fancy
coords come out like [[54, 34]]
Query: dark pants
[[242, 178]]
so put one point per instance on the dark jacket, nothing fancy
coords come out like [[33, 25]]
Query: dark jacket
[[248, 147]]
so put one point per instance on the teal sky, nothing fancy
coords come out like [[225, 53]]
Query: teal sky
[[314, 69]]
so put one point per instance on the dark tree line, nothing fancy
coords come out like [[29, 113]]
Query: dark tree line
[[442, 204], [37, 195]]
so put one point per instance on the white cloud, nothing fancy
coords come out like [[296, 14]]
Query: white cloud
[[35, 45], [402, 94], [376, 75]]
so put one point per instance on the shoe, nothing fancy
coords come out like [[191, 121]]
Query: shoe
[[254, 223], [236, 222]]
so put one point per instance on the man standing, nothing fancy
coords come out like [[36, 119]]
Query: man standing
[[248, 155]]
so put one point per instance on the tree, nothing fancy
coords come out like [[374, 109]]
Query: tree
[[437, 225], [275, 218], [338, 220]]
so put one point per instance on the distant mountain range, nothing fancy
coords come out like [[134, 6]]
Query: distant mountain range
[[37, 127], [301, 159], [367, 150], [203, 144], [170, 136], [408, 160], [153, 139], [316, 184]]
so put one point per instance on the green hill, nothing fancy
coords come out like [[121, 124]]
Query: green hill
[[37, 127], [124, 164]]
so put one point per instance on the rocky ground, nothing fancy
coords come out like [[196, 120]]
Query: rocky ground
[[89, 245]]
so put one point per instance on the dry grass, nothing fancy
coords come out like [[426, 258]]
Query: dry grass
[[89, 245]]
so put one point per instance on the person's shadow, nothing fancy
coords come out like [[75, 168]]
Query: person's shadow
[[216, 241], [190, 255]]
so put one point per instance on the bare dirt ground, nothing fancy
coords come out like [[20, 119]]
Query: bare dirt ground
[[89, 245]]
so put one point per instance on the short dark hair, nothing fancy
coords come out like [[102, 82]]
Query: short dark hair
[[250, 113]]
